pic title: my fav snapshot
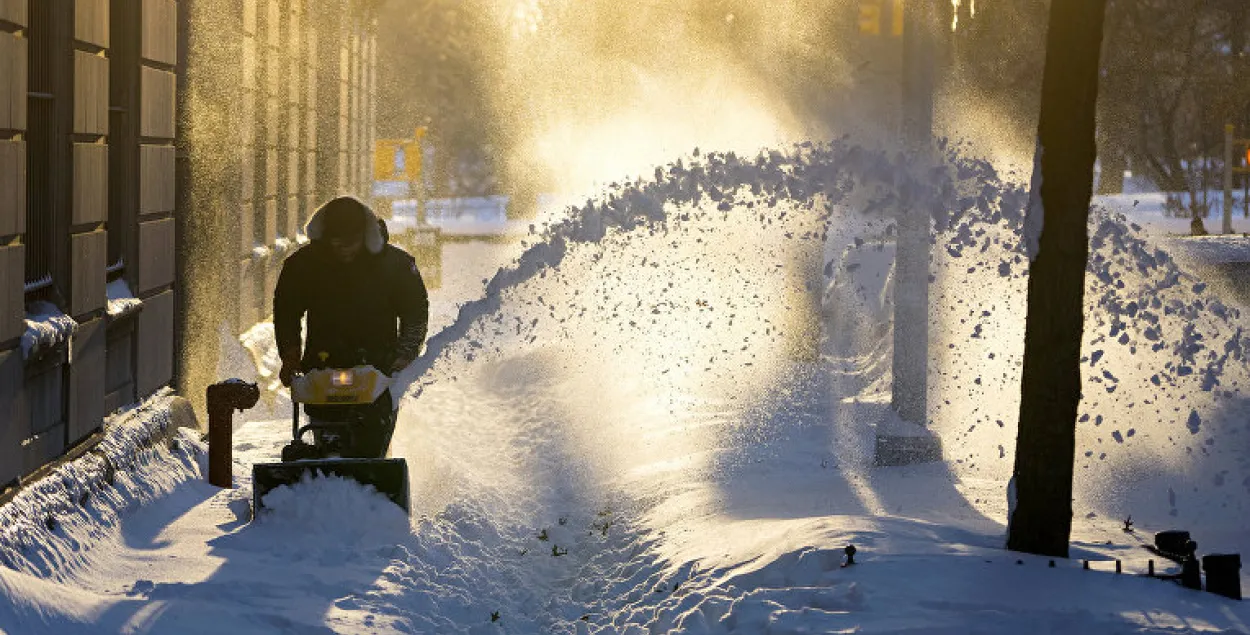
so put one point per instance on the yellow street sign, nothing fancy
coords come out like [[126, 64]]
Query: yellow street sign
[[870, 17], [398, 159]]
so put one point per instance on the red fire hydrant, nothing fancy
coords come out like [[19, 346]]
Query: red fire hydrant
[[222, 400]]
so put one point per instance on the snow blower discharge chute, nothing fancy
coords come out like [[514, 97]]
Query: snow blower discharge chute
[[349, 394]]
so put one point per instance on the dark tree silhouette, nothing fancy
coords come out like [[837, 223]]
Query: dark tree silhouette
[[1041, 521]]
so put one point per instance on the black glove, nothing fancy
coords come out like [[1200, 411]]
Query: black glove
[[290, 367]]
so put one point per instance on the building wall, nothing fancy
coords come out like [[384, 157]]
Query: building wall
[[281, 118], [86, 180], [13, 52], [305, 130], [278, 116]]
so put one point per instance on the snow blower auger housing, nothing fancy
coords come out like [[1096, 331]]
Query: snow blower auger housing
[[347, 405]]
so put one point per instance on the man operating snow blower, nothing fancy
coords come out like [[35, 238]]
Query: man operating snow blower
[[367, 311]]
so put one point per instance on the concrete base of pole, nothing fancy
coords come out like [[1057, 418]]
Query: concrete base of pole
[[902, 443]]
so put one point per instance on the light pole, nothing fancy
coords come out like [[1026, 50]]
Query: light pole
[[911, 269]]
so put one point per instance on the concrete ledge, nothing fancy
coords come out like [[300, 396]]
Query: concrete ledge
[[892, 451], [142, 426]]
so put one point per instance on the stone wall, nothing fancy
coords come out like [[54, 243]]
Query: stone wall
[[87, 127], [281, 118]]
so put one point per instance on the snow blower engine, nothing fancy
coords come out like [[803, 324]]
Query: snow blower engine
[[345, 410]]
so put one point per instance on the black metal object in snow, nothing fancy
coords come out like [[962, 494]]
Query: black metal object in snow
[[222, 400], [1223, 574], [1172, 543]]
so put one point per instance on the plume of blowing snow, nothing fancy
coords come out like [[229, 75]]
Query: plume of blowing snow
[[652, 80]]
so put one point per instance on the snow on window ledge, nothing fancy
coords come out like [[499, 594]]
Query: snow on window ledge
[[121, 302], [47, 328]]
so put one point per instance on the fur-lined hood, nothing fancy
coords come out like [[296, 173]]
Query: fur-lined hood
[[374, 239]]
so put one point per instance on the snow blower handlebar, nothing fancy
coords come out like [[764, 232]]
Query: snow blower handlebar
[[334, 386]]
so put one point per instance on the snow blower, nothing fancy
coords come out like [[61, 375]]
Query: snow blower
[[345, 400]]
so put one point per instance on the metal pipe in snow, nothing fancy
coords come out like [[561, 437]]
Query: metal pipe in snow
[[222, 399]]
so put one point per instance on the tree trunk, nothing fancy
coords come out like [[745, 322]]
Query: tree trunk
[[1041, 518]]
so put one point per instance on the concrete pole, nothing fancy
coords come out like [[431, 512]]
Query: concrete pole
[[911, 282], [1228, 178]]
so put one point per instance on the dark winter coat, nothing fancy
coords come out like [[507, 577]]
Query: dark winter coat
[[373, 310]]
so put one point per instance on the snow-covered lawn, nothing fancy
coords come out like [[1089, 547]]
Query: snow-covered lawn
[[640, 432]]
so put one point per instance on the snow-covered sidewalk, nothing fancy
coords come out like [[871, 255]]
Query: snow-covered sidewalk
[[743, 536]]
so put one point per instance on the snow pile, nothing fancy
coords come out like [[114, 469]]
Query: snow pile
[[1163, 364], [48, 528], [46, 328], [1211, 250], [121, 302], [1150, 211], [320, 504], [326, 512]]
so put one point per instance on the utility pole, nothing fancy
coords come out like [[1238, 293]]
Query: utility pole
[[911, 284], [911, 265]]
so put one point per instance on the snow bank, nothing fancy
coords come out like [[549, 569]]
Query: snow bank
[[1164, 371], [1148, 210], [46, 328], [48, 527], [1209, 250]]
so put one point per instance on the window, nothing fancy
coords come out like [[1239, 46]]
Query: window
[[124, 35], [40, 108]]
